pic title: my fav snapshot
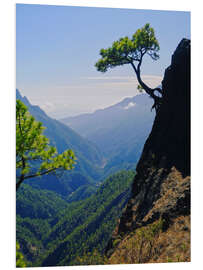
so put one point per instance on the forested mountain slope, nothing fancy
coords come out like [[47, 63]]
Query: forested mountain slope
[[54, 232], [89, 159], [119, 131]]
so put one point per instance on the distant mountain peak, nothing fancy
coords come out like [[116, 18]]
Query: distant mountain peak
[[23, 99]]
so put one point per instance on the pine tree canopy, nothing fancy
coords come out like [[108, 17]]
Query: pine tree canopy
[[34, 155], [126, 50]]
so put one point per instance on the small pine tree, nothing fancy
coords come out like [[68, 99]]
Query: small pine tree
[[34, 155], [131, 51]]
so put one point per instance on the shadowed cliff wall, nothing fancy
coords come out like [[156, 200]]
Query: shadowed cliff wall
[[161, 188]]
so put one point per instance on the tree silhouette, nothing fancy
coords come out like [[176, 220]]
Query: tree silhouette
[[131, 51]]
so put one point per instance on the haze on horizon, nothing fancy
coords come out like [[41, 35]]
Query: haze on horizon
[[57, 47]]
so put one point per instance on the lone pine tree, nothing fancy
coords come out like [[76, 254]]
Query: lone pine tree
[[34, 155], [131, 51]]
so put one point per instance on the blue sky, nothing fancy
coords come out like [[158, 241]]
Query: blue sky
[[57, 47]]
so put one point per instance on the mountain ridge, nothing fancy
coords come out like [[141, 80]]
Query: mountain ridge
[[138, 98], [119, 131]]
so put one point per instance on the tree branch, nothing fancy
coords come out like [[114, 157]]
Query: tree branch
[[42, 173], [33, 175]]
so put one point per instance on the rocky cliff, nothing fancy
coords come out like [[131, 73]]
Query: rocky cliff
[[155, 226]]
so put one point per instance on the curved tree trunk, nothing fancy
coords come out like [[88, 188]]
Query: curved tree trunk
[[148, 90]]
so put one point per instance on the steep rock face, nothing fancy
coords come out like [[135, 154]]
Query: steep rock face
[[161, 188]]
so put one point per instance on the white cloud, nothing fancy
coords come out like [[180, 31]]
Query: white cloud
[[130, 105]]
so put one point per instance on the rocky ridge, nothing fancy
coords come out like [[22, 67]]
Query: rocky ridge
[[155, 226]]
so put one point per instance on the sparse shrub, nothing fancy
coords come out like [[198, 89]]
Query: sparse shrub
[[169, 260], [91, 258], [141, 246], [116, 242], [184, 247]]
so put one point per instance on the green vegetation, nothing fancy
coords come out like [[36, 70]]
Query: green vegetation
[[131, 51], [87, 170], [139, 246], [82, 193], [20, 261], [91, 258], [144, 240], [68, 218], [34, 156], [70, 213], [33, 203], [52, 231], [30, 234], [36, 211]]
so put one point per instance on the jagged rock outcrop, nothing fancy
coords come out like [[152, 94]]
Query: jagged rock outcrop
[[161, 188]]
